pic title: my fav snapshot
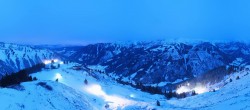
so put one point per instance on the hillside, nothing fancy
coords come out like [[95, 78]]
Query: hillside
[[14, 57], [43, 95], [234, 96]]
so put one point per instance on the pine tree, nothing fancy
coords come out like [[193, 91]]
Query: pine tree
[[169, 94], [34, 79], [213, 90], [237, 77], [86, 81], [182, 95], [107, 106], [193, 93], [30, 78], [158, 103]]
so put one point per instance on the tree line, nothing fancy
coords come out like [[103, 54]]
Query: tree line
[[20, 76], [157, 90]]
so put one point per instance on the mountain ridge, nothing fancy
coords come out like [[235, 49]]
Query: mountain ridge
[[15, 57], [157, 61]]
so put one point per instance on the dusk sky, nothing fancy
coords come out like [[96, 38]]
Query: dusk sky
[[91, 21]]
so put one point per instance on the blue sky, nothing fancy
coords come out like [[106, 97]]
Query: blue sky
[[90, 21]]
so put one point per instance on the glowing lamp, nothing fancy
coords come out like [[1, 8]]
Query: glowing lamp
[[132, 95], [56, 60], [61, 63], [182, 89], [47, 62], [95, 89], [58, 76], [200, 90]]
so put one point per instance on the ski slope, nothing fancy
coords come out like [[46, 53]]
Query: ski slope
[[101, 90]]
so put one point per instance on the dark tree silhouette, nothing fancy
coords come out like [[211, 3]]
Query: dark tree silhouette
[[20, 76], [34, 79], [193, 93], [86, 81], [169, 94], [158, 103], [237, 78]]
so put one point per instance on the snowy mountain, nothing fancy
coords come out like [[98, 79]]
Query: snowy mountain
[[102, 93], [157, 62], [217, 72], [14, 57]]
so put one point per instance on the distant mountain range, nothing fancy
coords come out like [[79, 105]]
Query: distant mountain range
[[158, 62]]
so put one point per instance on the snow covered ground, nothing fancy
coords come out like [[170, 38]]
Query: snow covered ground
[[234, 95], [32, 96], [101, 90], [72, 93]]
